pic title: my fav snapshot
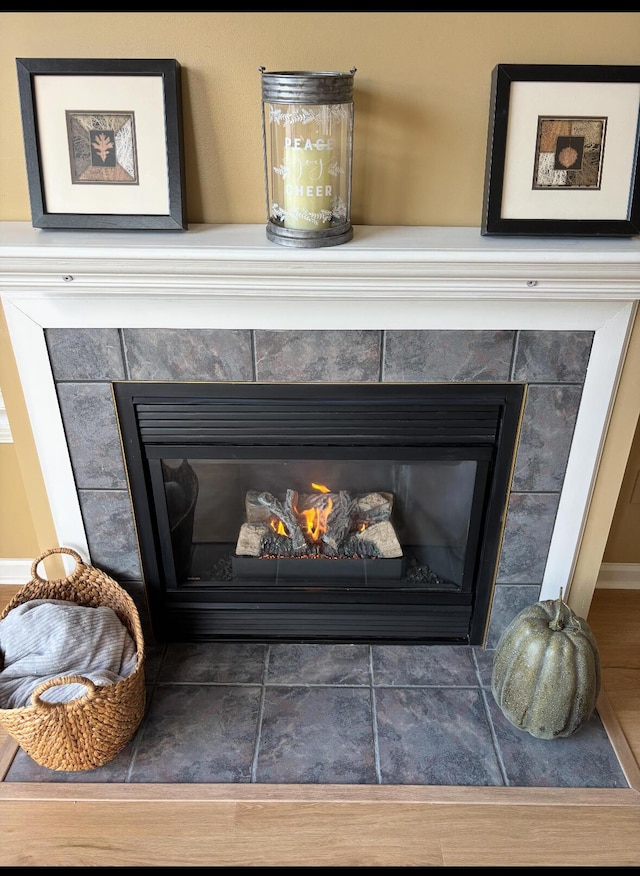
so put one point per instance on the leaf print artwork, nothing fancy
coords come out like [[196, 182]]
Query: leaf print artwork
[[569, 153], [567, 156], [102, 148]]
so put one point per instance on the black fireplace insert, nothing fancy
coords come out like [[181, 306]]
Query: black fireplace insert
[[319, 512]]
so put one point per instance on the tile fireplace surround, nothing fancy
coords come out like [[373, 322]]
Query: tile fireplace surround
[[221, 303]]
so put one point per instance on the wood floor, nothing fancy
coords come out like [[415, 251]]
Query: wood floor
[[353, 826]]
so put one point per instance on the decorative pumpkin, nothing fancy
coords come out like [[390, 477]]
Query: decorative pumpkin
[[546, 670]]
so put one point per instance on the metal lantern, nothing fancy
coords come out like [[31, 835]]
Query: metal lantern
[[307, 128]]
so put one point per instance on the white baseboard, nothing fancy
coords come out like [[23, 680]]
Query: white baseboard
[[619, 576], [15, 571]]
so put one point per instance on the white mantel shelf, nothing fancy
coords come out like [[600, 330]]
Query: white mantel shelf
[[408, 277], [240, 257]]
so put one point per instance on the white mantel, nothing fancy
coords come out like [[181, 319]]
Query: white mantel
[[230, 276]]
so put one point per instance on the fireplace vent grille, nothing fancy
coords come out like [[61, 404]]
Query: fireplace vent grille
[[410, 421]]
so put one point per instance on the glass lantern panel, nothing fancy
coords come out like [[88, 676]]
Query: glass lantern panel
[[308, 157]]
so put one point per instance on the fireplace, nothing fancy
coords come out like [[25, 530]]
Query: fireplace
[[414, 306], [319, 513]]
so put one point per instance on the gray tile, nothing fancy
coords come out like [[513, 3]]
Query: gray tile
[[583, 760], [552, 357], [435, 737], [545, 439], [136, 591], [85, 354], [317, 735], [508, 601], [154, 657], [188, 354], [226, 662], [318, 664], [448, 356], [206, 733], [92, 435], [484, 659], [316, 356], [108, 523], [527, 536], [198, 733], [440, 665]]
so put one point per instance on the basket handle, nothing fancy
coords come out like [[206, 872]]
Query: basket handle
[[55, 682], [58, 550]]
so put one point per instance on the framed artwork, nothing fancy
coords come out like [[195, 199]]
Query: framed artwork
[[103, 143], [562, 151]]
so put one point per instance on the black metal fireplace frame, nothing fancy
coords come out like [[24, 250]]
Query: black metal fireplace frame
[[248, 420]]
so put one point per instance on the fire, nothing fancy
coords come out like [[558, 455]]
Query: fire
[[278, 526], [313, 521]]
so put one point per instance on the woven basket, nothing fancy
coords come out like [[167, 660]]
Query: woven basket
[[91, 730]]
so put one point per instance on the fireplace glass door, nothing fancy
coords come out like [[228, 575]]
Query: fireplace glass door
[[348, 523]]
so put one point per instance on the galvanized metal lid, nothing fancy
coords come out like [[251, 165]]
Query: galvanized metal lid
[[302, 86]]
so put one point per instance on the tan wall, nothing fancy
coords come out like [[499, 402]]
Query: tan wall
[[26, 527], [17, 534], [421, 109], [623, 545], [421, 94]]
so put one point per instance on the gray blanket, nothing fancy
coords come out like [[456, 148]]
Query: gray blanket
[[47, 638]]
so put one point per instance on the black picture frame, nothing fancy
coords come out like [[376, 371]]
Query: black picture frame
[[136, 106], [530, 187]]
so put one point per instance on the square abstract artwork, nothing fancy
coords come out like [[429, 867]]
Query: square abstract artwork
[[102, 148], [569, 153]]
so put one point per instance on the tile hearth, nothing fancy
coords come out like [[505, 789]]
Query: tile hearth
[[336, 714]]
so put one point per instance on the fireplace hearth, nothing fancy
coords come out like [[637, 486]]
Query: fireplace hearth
[[319, 512]]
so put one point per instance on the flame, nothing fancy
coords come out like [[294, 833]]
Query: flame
[[278, 526], [315, 520]]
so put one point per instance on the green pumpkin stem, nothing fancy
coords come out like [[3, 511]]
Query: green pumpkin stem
[[557, 623]]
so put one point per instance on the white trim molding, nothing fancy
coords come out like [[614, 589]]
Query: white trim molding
[[15, 571], [619, 576]]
